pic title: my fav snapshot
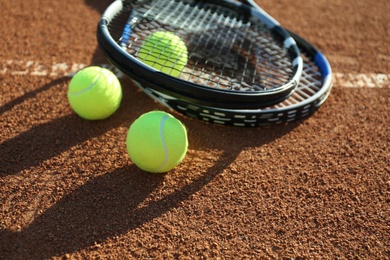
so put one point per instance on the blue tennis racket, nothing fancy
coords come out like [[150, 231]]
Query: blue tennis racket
[[313, 90], [239, 57]]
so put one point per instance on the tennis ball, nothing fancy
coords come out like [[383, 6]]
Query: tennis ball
[[165, 52], [157, 142], [94, 93]]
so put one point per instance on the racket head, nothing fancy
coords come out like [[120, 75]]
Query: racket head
[[250, 71], [313, 90]]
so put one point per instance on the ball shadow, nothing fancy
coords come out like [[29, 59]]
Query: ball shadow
[[120, 201], [49, 139], [44, 141], [108, 205]]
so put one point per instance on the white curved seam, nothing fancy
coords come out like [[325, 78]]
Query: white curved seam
[[90, 86], [162, 123]]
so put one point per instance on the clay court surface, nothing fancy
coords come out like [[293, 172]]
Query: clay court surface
[[318, 188]]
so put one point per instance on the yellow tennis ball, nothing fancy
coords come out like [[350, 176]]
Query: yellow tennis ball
[[157, 142], [94, 93], [165, 52]]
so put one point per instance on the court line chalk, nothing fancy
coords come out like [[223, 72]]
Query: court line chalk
[[362, 80], [61, 69], [35, 68]]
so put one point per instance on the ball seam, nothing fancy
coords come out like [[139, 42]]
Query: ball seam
[[90, 86], [162, 123]]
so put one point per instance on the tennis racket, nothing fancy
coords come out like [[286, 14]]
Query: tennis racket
[[314, 88], [239, 57]]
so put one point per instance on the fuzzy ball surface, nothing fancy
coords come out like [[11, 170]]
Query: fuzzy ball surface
[[157, 142], [164, 51], [94, 93]]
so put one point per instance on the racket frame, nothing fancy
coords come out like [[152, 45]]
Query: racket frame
[[256, 117], [191, 92]]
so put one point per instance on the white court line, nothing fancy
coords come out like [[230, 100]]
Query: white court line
[[35, 68], [360, 80]]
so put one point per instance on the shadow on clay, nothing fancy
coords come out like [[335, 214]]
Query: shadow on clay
[[47, 140], [119, 201], [85, 216], [14, 151], [10, 105]]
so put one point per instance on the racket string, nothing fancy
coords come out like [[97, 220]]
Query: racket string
[[310, 83], [208, 50], [283, 112], [224, 52]]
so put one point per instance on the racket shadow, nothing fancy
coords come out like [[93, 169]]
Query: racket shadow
[[10, 105], [47, 140], [108, 205], [117, 202], [100, 6], [43, 142]]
